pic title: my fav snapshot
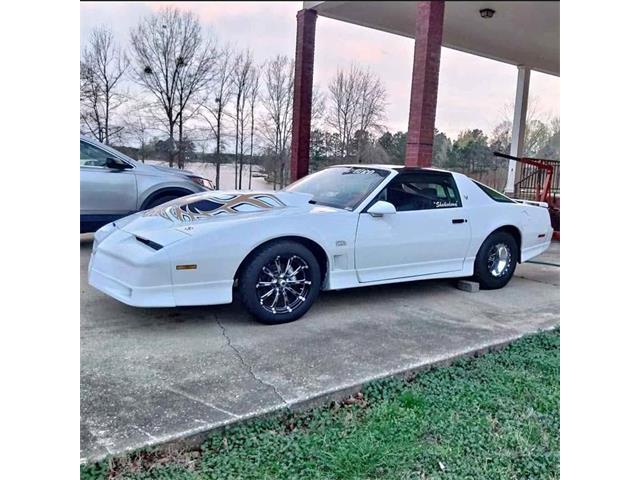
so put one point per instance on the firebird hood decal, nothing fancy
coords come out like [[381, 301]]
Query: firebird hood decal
[[206, 205]]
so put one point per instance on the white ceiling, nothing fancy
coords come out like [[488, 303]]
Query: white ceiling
[[520, 33]]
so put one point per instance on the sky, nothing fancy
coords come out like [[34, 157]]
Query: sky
[[473, 92]]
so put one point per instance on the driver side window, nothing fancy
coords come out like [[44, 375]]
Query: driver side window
[[421, 191], [91, 156]]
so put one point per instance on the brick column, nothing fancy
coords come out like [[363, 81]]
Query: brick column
[[424, 83], [302, 93]]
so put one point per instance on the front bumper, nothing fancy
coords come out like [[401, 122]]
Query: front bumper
[[136, 296], [131, 272], [137, 275]]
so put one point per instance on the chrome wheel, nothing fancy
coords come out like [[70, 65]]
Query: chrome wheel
[[499, 260], [283, 284]]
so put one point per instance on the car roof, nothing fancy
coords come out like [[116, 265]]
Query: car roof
[[393, 167], [109, 149]]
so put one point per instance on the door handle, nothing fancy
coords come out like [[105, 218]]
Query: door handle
[[459, 220]]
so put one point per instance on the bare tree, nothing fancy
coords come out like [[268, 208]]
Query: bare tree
[[538, 128], [357, 103], [277, 101], [343, 109], [240, 79], [213, 113], [102, 67], [174, 63], [193, 91], [138, 126], [91, 116], [318, 107], [371, 108], [253, 92]]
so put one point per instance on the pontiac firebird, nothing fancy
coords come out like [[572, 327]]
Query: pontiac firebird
[[343, 227]]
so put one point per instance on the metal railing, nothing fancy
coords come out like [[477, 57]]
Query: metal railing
[[531, 179], [538, 178]]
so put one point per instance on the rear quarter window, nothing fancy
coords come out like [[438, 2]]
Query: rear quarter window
[[493, 194]]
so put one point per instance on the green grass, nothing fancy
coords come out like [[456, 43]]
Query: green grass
[[493, 417]]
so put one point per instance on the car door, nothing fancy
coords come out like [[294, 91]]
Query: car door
[[429, 233], [105, 191]]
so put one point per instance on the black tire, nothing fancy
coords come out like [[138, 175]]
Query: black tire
[[487, 268], [298, 295], [160, 200]]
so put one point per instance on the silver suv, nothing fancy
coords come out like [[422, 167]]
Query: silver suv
[[113, 185]]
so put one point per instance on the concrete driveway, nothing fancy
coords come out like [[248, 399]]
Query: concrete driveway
[[154, 375]]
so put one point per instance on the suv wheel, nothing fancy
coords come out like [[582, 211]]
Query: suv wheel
[[160, 200]]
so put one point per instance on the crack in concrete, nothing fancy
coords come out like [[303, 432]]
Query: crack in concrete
[[548, 264], [201, 401], [248, 366], [141, 430], [537, 281]]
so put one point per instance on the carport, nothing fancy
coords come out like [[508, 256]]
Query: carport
[[524, 34], [171, 376]]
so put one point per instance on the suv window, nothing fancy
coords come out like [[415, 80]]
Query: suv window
[[494, 194], [91, 156], [421, 191]]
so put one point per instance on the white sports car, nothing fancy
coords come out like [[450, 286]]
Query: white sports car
[[343, 227]]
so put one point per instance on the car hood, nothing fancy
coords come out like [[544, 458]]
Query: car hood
[[182, 214], [175, 171]]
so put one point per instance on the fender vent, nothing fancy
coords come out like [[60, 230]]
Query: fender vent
[[149, 243]]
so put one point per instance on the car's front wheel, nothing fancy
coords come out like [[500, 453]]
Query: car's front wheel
[[496, 261], [280, 282]]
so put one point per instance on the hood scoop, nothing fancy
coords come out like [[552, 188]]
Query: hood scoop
[[207, 205]]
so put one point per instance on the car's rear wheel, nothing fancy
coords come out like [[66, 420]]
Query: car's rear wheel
[[280, 282], [496, 261]]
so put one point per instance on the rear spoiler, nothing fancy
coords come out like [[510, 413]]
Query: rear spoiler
[[532, 202]]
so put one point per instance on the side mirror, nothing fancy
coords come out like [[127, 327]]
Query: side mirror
[[381, 208], [114, 164]]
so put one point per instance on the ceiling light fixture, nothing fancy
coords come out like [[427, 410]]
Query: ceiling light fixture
[[487, 12]]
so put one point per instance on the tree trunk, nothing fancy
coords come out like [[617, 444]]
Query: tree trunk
[[171, 153], [241, 152], [237, 134], [251, 152], [218, 149], [97, 116], [282, 160], [106, 119], [275, 169], [180, 146], [281, 173]]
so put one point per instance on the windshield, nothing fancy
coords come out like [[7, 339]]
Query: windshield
[[340, 187]]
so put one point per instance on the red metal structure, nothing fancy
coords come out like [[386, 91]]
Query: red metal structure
[[542, 182], [542, 185]]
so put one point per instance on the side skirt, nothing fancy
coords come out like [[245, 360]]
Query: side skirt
[[340, 279]]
